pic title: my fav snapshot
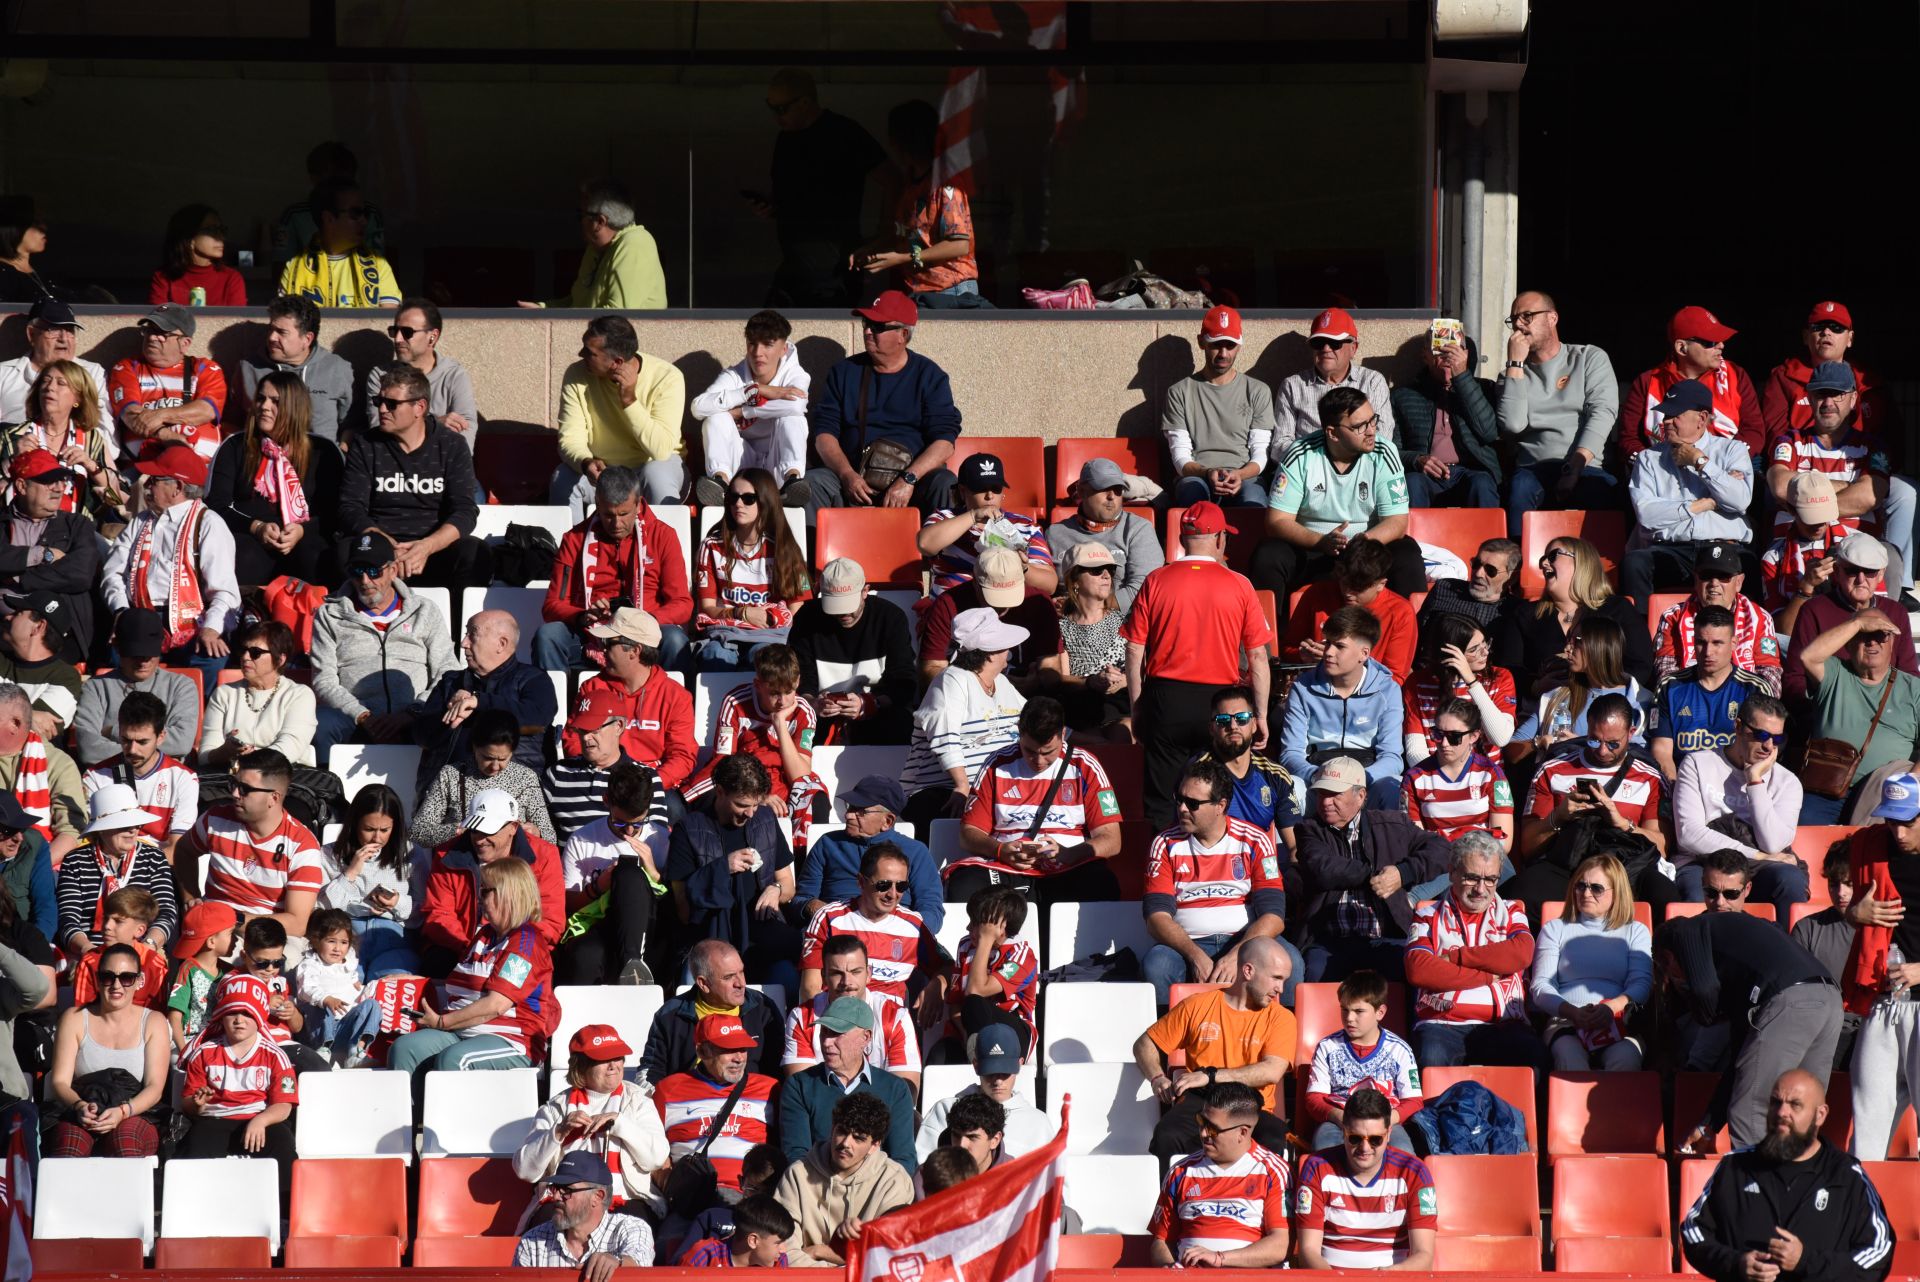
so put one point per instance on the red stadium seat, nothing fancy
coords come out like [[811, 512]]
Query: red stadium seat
[[1460, 530], [1480, 1253], [1025, 461], [1898, 1184], [1675, 911], [1801, 912], [1839, 1127], [1611, 1197], [1130, 865], [1269, 611], [1487, 1196], [1642, 911], [1247, 526], [1607, 531], [881, 539], [1102, 1251], [1658, 604], [230, 1253], [1136, 455], [343, 1252], [464, 1252], [1613, 1254], [96, 1255], [1693, 1177], [469, 1207], [349, 1197], [200, 696], [1125, 764], [1178, 993], [1316, 1009], [1603, 1113], [1514, 1085]]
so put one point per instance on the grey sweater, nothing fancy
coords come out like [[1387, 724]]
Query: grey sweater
[[1568, 402], [444, 808], [329, 383], [449, 391], [358, 668], [96, 725], [1131, 541]]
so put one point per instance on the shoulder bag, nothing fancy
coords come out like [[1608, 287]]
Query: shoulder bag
[[1830, 763], [693, 1185], [882, 462]]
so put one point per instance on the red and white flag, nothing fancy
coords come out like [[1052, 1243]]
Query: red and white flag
[[1000, 1226]]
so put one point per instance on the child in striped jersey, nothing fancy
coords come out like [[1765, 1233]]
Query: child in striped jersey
[[1362, 1055]]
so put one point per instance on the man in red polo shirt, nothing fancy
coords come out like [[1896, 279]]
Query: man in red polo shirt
[[1185, 635]]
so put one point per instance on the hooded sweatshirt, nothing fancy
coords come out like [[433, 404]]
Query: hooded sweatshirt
[[450, 913], [821, 1201], [408, 496], [358, 667], [1318, 719]]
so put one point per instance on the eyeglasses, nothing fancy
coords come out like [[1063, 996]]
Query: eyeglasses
[[117, 978], [267, 963], [624, 825], [1713, 576], [1479, 647], [1518, 319], [368, 571], [882, 887], [746, 499], [1328, 344], [1232, 718], [879, 327], [1766, 736], [246, 789], [1713, 893], [1365, 1141], [1364, 426], [1482, 567], [1453, 736], [1093, 569], [1194, 803], [405, 331], [256, 652], [1478, 878], [1847, 570], [1590, 887], [9, 834], [1873, 638], [392, 404], [571, 1189], [1551, 555], [1827, 327], [1208, 1128]]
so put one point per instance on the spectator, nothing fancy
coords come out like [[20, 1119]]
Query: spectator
[[138, 640], [621, 270], [810, 1099], [1828, 335], [1577, 590], [23, 233], [996, 975], [28, 869], [1489, 596], [1453, 665], [1213, 884], [1725, 881], [293, 347], [1690, 491], [1740, 798], [598, 1112], [1334, 345], [298, 222], [822, 165], [1359, 864], [1094, 685], [930, 255], [1219, 425], [731, 871], [112, 1032], [339, 267], [750, 576], [754, 415], [376, 876], [491, 740], [1593, 666], [63, 423], [838, 1184], [894, 1042], [1858, 561], [1458, 788], [238, 1086], [761, 1227], [1225, 1206], [1347, 706], [33, 637], [1042, 817], [1859, 697], [1262, 788], [611, 867], [1884, 859], [1240, 1033], [952, 539], [970, 712], [719, 987], [1593, 971], [1333, 487], [191, 272], [1449, 430], [452, 916], [1558, 404], [1717, 578], [690, 1099], [1799, 563], [207, 934], [856, 659], [575, 787], [1363, 1055], [584, 1236], [1366, 1205], [276, 485], [977, 1126], [894, 409], [52, 335], [623, 553], [48, 553], [1689, 715], [619, 407], [1779, 1009], [41, 777], [493, 678], [998, 584], [378, 648], [1100, 516], [658, 709], [995, 1056], [415, 331], [767, 719], [1185, 636], [413, 482], [908, 963], [1828, 934], [1698, 341], [162, 785], [872, 808], [265, 708], [261, 860], [166, 397], [1856, 459], [1359, 578]]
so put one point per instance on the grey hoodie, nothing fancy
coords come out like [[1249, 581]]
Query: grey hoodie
[[358, 668]]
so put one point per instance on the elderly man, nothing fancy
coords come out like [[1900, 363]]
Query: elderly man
[[1193, 1226], [176, 558], [755, 415], [1694, 709], [575, 786], [378, 648], [1365, 1204], [689, 1099], [1449, 431], [884, 422], [872, 807], [166, 397], [952, 539], [621, 554], [1718, 576], [39, 775], [894, 1044], [1239, 1033], [731, 871], [415, 331], [261, 861], [908, 963], [845, 1177], [1690, 490], [33, 632], [1358, 865], [994, 1053], [1799, 563], [138, 638], [1698, 342], [450, 908], [1333, 342], [1219, 423], [583, 1234], [52, 335], [1100, 516], [1558, 404], [413, 481], [1867, 705], [1489, 596], [621, 269], [1347, 706], [619, 407], [658, 710], [493, 678], [1828, 335], [1732, 1235], [293, 347], [856, 659], [808, 1098], [1850, 587], [48, 550], [1740, 798], [1884, 871], [719, 985], [1468, 953]]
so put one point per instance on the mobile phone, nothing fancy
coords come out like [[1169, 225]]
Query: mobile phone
[[412, 1013]]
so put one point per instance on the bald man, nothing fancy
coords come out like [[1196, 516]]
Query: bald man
[[1793, 1207], [494, 677]]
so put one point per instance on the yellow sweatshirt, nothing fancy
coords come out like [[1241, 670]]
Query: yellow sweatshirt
[[624, 277], [594, 424]]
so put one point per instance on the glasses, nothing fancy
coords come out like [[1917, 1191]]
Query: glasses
[[1232, 718], [1518, 319], [1482, 567], [9, 834], [1611, 745], [1093, 569], [368, 571], [1708, 342], [1453, 736], [882, 887], [246, 789], [1328, 344], [1846, 570], [1827, 327], [392, 404], [1765, 736], [256, 652], [149, 330], [1364, 427], [868, 810], [1873, 638], [746, 499], [572, 1189], [1479, 647], [1590, 888], [1365, 1141], [1551, 555], [1208, 1128], [879, 327], [1478, 878], [1194, 803], [624, 825], [267, 963], [1713, 893], [117, 978], [405, 331], [1713, 576]]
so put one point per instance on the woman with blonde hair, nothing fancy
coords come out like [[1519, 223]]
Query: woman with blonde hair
[[277, 486], [1092, 664], [1577, 588], [1595, 657], [63, 418], [1592, 966]]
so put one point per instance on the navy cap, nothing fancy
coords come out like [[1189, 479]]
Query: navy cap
[[876, 790], [139, 634], [53, 312], [1832, 376], [994, 1050], [982, 472], [581, 1167], [12, 814], [1687, 394]]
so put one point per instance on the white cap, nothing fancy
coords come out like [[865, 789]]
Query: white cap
[[982, 629], [842, 586], [115, 806], [490, 810]]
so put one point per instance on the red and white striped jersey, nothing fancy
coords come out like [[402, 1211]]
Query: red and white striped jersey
[[1755, 647], [1480, 797], [1214, 890], [1859, 453], [1018, 971], [1790, 557], [1008, 793], [688, 1103], [1221, 1208], [1365, 1226], [136, 385], [244, 1082], [168, 790], [1637, 796], [896, 945], [743, 727], [746, 581], [519, 968], [1442, 930], [252, 875], [894, 1046], [1420, 702]]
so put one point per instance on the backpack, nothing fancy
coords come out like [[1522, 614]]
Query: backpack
[[524, 554]]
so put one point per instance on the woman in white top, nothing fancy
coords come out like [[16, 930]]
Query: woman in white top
[[376, 875], [749, 575], [264, 709], [600, 1111], [970, 712]]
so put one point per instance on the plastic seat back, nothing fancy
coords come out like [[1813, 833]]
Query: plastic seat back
[[484, 1114], [1024, 462], [1604, 1113], [95, 1197], [1613, 1196], [1612, 1255], [209, 1197], [1102, 1251], [1076, 931], [345, 1252], [1482, 1253], [1460, 530], [395, 764], [1694, 1174], [1246, 528], [630, 1008], [1316, 1009], [1093, 1023], [228, 1253], [1514, 1085], [355, 1113], [1113, 1107], [1113, 1193], [522, 603], [87, 1254], [1607, 531], [1136, 455], [1487, 1195], [880, 539], [469, 1197], [349, 1197]]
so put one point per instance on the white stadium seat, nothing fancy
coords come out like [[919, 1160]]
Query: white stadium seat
[[522, 603], [709, 689], [1093, 1023], [478, 1114], [775, 993], [1076, 931], [96, 1197], [562, 694], [496, 517], [1114, 1110], [944, 842], [840, 767], [679, 519], [905, 598], [395, 764], [630, 1008], [442, 599], [358, 1113], [221, 1197], [939, 1081], [953, 927], [1112, 1193]]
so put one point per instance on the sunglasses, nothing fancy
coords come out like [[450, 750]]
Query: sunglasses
[[1766, 736], [405, 331], [1548, 557], [117, 978], [1708, 342], [880, 327], [1365, 1141], [1093, 569], [8, 834], [571, 1189], [256, 652], [267, 963], [882, 887], [368, 571], [1713, 576], [149, 330], [1713, 894], [1848, 571], [1455, 737], [1827, 327], [744, 500], [1208, 1128], [392, 404], [246, 789], [624, 825], [1327, 344], [1873, 638], [1590, 887], [1193, 803], [1481, 567], [782, 108], [1232, 718], [1611, 745]]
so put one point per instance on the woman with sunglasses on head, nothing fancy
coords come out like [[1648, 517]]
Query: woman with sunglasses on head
[[1592, 968], [749, 576], [191, 273], [1593, 664], [110, 1033], [1092, 667], [1577, 588], [264, 709], [277, 486], [1453, 665], [376, 874]]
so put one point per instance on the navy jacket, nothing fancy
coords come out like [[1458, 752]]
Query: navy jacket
[[520, 688], [806, 1112], [913, 407], [670, 1040]]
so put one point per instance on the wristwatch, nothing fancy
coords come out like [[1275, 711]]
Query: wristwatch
[[1213, 1075], [1516, 364], [910, 477]]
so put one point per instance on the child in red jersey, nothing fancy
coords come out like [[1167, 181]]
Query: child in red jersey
[[240, 1087]]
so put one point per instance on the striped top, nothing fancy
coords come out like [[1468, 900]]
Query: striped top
[[168, 790], [688, 1103], [1008, 791], [894, 1046], [1365, 1225], [959, 560], [244, 1085], [1221, 1208], [1214, 890], [252, 875], [896, 944], [576, 795], [1478, 797], [1858, 453], [518, 967], [959, 724], [1015, 968]]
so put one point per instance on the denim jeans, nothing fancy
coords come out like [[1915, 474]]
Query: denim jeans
[[384, 949], [1536, 486], [557, 648], [1164, 967], [1436, 1043], [662, 481], [1464, 487], [335, 727], [341, 1037], [1817, 811], [1192, 489]]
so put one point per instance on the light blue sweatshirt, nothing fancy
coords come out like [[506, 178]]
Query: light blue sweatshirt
[[1370, 717], [1577, 963]]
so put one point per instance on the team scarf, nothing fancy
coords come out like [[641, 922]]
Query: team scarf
[[112, 879], [1726, 400], [601, 1143], [76, 438], [33, 785], [1797, 554], [313, 279], [184, 601], [278, 481], [594, 541]]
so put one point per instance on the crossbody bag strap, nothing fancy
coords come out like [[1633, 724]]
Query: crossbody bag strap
[[726, 1110], [1046, 802], [1886, 692], [1620, 775], [860, 414]]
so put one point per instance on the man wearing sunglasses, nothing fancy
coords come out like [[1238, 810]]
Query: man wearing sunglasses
[[415, 332], [1224, 1207], [413, 482], [1851, 680], [1741, 799], [1333, 345], [1697, 352], [164, 396], [1558, 402], [1719, 572], [293, 347], [338, 268], [1690, 489], [1349, 1216], [1828, 335], [1854, 585]]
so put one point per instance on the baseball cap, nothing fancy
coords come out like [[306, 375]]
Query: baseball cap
[[1339, 774], [177, 461], [596, 707], [1221, 325], [203, 921], [1899, 799], [1002, 578], [1832, 376], [1687, 394], [1333, 323], [599, 1042], [727, 1032], [1830, 311], [1088, 554], [1862, 550], [891, 308], [36, 464], [490, 810], [1811, 496], [1715, 559], [43, 603], [628, 624], [994, 1051], [370, 551], [982, 473], [52, 313], [1698, 322], [581, 1166], [1101, 474], [843, 586], [981, 629], [847, 1013], [139, 634], [875, 790], [1204, 517], [170, 318]]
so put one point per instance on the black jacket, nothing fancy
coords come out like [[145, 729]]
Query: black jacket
[[230, 489], [520, 688], [71, 578], [408, 496], [1332, 861], [670, 1040], [1827, 1202]]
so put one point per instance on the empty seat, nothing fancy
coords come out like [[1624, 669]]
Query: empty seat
[[1612, 1255], [469, 1208], [1486, 1195], [207, 1197], [395, 764], [1484, 1253], [1460, 530], [841, 766], [95, 1197], [344, 1252], [1136, 455], [1514, 1085], [359, 1113], [708, 691], [1093, 1023], [881, 539], [630, 1008], [229, 1253], [1076, 931], [1102, 1251], [442, 599], [362, 1198], [1024, 461], [1694, 1173], [1607, 531], [1898, 1184], [1610, 1196], [1604, 1113], [1112, 1194], [96, 1255], [1114, 1110], [522, 603], [479, 1114]]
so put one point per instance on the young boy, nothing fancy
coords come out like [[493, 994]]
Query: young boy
[[239, 1087], [206, 935], [263, 955], [760, 1227], [1361, 1054], [130, 914], [769, 720], [996, 977]]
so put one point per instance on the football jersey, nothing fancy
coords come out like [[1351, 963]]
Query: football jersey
[[1221, 1208], [1323, 498], [1787, 561], [1421, 700], [136, 385], [169, 791], [519, 968], [896, 945], [244, 1083], [746, 580], [252, 875], [1695, 718], [1214, 890], [1365, 1226], [1007, 794], [1755, 647], [1339, 1069], [1637, 796], [1478, 797], [743, 727], [957, 562], [1017, 970], [1857, 454], [688, 1103], [894, 1046]]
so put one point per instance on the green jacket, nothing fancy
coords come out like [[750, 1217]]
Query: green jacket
[[1469, 404], [806, 1112]]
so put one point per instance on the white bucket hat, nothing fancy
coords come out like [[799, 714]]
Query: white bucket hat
[[115, 807]]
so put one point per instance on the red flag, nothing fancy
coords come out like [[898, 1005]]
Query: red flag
[[19, 1158], [1000, 1226]]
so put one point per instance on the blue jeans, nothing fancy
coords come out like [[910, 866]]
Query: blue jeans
[[965, 293], [335, 727], [1164, 967], [1437, 1043], [1192, 489], [557, 648], [1464, 487], [662, 481], [1536, 486], [432, 1050], [1896, 516], [1817, 811], [716, 655], [384, 949], [341, 1036], [1782, 885]]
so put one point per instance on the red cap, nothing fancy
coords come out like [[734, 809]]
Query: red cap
[[177, 461], [203, 921], [28, 464], [597, 706], [891, 308], [1204, 517], [1221, 325], [726, 1032], [1334, 323], [1698, 322], [599, 1042], [1830, 311]]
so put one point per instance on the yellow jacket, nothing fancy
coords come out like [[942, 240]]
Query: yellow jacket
[[594, 424], [624, 277]]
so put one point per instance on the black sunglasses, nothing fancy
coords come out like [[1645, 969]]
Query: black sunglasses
[[882, 887], [879, 327], [1766, 736], [1453, 736], [1327, 344], [1193, 803], [115, 978], [256, 652], [1232, 718], [1827, 327], [405, 331], [246, 789], [1715, 894], [1873, 638], [368, 571], [1366, 1141], [744, 500], [392, 404], [1591, 887], [267, 963]]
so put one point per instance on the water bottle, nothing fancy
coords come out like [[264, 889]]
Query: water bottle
[[1895, 958]]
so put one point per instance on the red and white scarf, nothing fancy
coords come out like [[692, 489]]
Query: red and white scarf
[[111, 879], [602, 1142], [185, 603], [278, 481], [1726, 401], [33, 785], [587, 552]]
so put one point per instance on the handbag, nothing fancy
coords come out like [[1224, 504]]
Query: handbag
[[882, 462], [693, 1185], [1590, 834], [1830, 763]]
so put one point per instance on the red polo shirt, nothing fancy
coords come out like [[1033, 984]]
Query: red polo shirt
[[1195, 617]]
